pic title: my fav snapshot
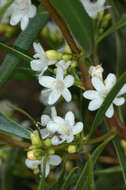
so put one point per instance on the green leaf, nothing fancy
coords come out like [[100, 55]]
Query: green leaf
[[24, 42], [91, 184], [68, 179], [119, 25], [9, 126], [78, 22], [108, 100], [115, 169], [43, 168], [4, 8], [82, 181], [16, 52]]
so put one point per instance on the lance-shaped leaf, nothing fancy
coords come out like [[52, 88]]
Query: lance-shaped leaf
[[11, 127], [78, 22]]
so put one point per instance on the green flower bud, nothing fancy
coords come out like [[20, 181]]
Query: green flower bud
[[106, 19], [2, 28], [68, 166], [73, 64], [53, 55], [72, 149], [67, 49], [51, 151], [34, 155], [35, 139], [47, 142], [67, 57]]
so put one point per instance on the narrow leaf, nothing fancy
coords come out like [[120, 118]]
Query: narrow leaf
[[9, 126], [78, 22], [91, 184]]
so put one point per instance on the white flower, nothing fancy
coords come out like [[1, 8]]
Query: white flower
[[58, 86], [63, 64], [32, 164], [102, 89], [92, 8], [22, 11], [96, 71], [64, 129], [41, 62], [53, 160], [45, 120]]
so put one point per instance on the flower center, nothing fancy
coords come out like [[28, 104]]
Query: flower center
[[66, 129], [59, 85]]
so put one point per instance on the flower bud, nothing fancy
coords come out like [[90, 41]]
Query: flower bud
[[73, 64], [96, 71], [2, 28], [35, 139], [47, 142], [67, 49], [72, 149], [53, 55], [34, 155], [51, 151], [106, 20], [66, 57], [68, 166]]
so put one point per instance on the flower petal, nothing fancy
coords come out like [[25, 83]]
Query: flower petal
[[98, 84], [24, 22], [68, 81], [77, 128], [44, 133], [95, 104], [53, 112], [90, 94], [110, 81], [45, 119], [36, 65], [110, 111], [46, 81], [119, 101], [67, 95], [70, 117], [44, 95], [52, 127], [55, 160], [53, 97], [59, 73], [56, 141], [32, 164], [122, 91], [32, 11]]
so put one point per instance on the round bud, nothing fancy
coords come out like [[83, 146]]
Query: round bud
[[34, 155], [68, 166], [47, 142], [66, 57], [72, 149], [35, 139], [53, 55], [51, 151], [73, 64], [67, 49]]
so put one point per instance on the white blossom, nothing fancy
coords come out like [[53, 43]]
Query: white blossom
[[53, 160], [102, 88], [64, 129], [63, 64], [41, 62], [21, 11], [58, 86], [92, 8], [96, 71]]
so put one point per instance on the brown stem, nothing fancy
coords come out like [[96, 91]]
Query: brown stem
[[13, 141]]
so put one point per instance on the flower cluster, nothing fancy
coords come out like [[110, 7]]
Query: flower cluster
[[102, 88]]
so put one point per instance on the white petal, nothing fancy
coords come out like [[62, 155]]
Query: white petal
[[110, 81], [44, 96], [45, 119], [119, 101], [56, 141], [77, 128], [68, 81], [69, 138], [98, 84], [70, 117], [38, 49], [53, 112], [53, 97], [90, 94], [67, 95], [95, 104], [59, 73], [122, 91], [32, 11], [55, 160], [59, 120], [24, 22], [110, 111], [37, 65], [52, 127], [15, 19], [44, 133], [46, 81], [32, 164]]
